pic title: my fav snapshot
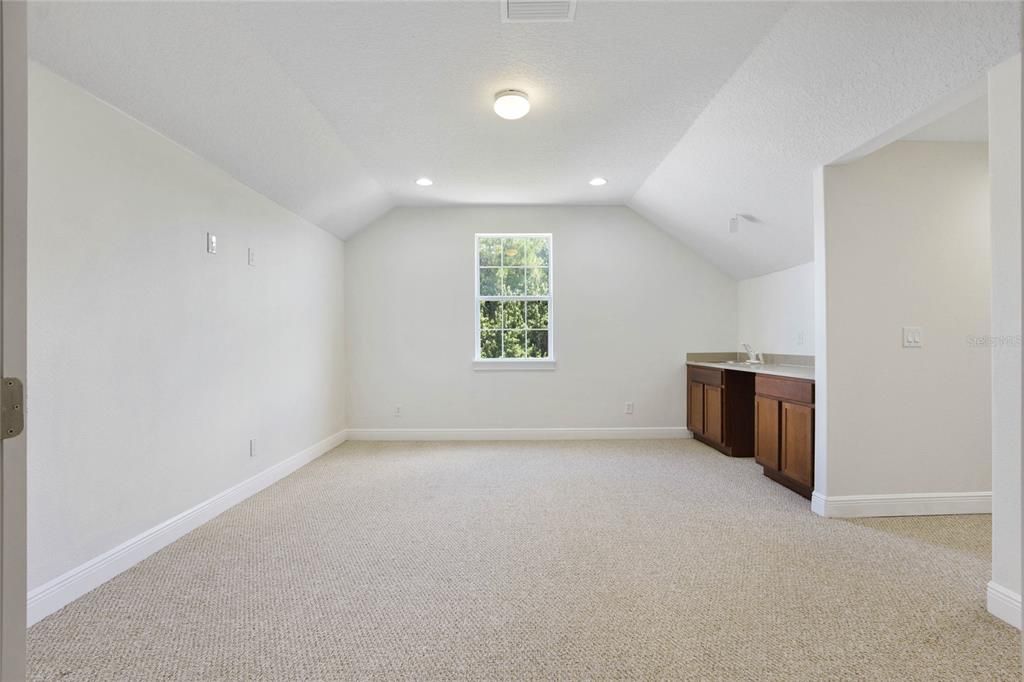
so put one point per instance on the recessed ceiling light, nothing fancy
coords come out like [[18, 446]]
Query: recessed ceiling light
[[424, 182], [511, 104], [597, 182]]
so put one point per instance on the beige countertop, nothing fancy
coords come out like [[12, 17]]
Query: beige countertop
[[791, 371]]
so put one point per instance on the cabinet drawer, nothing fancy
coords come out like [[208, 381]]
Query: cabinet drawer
[[706, 375], [785, 389]]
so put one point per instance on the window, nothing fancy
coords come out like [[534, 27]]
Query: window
[[513, 298]]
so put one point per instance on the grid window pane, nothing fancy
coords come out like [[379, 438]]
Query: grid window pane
[[515, 344], [515, 282], [537, 282], [490, 281], [537, 343], [514, 250], [515, 314], [490, 251], [537, 253], [490, 344], [510, 270], [490, 314], [537, 314]]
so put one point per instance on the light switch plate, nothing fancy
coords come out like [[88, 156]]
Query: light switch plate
[[912, 337], [252, 256], [211, 242]]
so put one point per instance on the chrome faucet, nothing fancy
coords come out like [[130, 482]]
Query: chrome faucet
[[752, 357]]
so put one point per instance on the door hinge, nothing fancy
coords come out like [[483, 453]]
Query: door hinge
[[12, 407]]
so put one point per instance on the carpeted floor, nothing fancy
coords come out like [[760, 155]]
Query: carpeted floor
[[569, 560]]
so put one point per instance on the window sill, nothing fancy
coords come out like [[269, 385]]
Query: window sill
[[514, 365]]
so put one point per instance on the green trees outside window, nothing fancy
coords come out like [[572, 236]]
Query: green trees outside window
[[514, 296]]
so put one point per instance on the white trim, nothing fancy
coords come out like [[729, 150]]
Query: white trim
[[514, 365], [612, 433], [818, 504], [1003, 603], [64, 589], [906, 504]]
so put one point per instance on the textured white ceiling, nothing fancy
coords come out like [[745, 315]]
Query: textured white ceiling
[[693, 111], [334, 109], [828, 78], [967, 124], [411, 88], [187, 71]]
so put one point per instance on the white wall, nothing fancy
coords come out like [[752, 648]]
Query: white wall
[[906, 243], [152, 363], [630, 302], [776, 311], [1005, 167]]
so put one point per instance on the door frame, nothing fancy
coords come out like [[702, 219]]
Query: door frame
[[13, 329]]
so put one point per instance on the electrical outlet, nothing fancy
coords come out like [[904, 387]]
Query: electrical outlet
[[800, 339], [211, 242], [912, 337], [629, 408], [252, 447], [398, 410]]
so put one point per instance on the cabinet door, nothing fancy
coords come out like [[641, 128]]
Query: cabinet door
[[713, 413], [766, 432], [696, 408], [798, 442]]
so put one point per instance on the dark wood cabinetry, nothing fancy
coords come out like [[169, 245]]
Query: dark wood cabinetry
[[719, 408], [798, 444], [713, 426], [784, 426], [765, 416], [766, 432], [695, 407]]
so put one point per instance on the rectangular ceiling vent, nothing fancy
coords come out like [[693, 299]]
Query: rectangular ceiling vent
[[535, 11]]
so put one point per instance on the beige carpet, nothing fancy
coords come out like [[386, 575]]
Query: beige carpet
[[609, 560]]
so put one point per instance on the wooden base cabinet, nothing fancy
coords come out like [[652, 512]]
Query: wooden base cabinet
[[719, 409], [784, 431], [704, 404]]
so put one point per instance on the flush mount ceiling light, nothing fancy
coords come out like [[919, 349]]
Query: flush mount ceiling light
[[511, 104], [424, 182], [598, 182]]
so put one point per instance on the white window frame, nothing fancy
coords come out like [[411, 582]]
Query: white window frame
[[520, 364]]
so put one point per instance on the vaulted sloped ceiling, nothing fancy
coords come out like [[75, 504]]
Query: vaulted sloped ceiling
[[189, 72], [693, 111], [334, 109], [827, 79]]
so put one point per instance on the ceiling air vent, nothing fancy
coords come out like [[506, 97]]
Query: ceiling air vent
[[520, 11]]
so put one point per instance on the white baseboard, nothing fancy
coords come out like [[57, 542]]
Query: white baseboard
[[614, 433], [907, 504], [1004, 604], [64, 589]]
